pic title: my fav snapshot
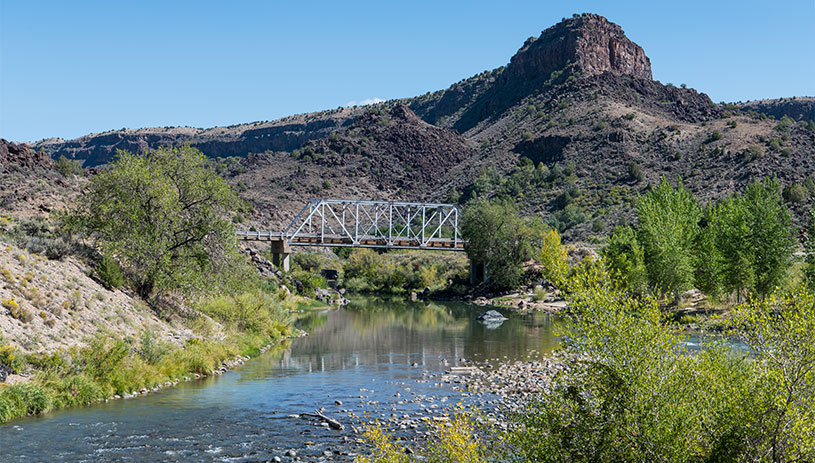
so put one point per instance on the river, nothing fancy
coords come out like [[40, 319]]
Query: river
[[374, 358]]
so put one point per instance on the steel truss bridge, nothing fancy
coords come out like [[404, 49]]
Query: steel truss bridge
[[371, 224]]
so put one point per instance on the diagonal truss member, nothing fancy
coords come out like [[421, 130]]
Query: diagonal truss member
[[376, 224]]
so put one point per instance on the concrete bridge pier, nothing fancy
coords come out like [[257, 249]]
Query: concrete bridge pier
[[478, 272], [280, 254]]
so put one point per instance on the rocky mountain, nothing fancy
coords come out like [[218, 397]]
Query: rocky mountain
[[284, 134], [798, 108], [574, 127]]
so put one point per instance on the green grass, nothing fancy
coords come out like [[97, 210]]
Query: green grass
[[108, 366]]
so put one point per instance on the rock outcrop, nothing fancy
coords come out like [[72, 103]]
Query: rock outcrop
[[801, 108], [590, 42], [21, 156]]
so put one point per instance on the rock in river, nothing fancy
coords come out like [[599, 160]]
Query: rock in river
[[491, 315], [491, 319]]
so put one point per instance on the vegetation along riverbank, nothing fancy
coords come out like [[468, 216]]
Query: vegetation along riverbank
[[137, 285], [627, 384]]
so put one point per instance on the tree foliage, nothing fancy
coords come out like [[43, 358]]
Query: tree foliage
[[633, 391], [780, 329], [500, 238], [626, 257], [164, 216], [668, 227], [771, 234], [553, 258]]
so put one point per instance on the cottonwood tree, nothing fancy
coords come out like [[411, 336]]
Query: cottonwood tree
[[668, 226], [500, 238], [163, 215], [771, 234], [625, 256]]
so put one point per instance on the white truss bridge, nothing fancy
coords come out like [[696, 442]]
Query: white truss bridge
[[371, 224]]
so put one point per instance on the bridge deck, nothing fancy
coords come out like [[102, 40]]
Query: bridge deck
[[339, 241]]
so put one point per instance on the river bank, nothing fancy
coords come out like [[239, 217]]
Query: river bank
[[373, 359]]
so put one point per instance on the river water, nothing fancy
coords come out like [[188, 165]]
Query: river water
[[377, 358]]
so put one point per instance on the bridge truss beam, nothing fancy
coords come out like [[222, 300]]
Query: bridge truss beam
[[376, 224]]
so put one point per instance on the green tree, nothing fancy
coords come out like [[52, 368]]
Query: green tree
[[553, 258], [668, 227], [500, 238], [772, 237], [625, 256], [730, 227], [164, 216], [780, 330], [68, 167]]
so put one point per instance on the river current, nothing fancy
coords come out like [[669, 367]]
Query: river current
[[372, 359]]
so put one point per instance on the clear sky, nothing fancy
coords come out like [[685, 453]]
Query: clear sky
[[72, 68]]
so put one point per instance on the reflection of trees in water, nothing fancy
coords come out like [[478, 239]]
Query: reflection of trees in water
[[377, 333], [310, 321]]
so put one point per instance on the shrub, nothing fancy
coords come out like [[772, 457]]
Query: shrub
[[753, 152], [11, 357], [635, 172], [714, 136], [567, 218], [252, 312], [310, 261], [68, 167], [795, 193], [49, 362], [553, 258], [309, 281], [109, 273], [102, 357], [52, 248], [153, 349]]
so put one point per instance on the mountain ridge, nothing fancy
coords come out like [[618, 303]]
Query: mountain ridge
[[578, 104]]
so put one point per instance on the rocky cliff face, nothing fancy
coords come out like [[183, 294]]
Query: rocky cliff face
[[590, 42], [19, 156], [239, 140], [801, 109], [583, 46]]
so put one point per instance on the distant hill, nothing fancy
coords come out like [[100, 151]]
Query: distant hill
[[798, 108], [573, 126]]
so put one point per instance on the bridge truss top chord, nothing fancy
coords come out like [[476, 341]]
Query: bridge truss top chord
[[375, 224]]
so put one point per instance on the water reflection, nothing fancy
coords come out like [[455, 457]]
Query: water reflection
[[367, 352]]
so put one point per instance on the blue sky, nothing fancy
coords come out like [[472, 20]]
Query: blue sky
[[72, 68]]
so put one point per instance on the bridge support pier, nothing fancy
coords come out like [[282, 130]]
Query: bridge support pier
[[478, 272], [280, 254]]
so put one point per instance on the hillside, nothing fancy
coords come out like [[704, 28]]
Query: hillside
[[574, 127]]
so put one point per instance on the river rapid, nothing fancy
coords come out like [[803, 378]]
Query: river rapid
[[372, 359]]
